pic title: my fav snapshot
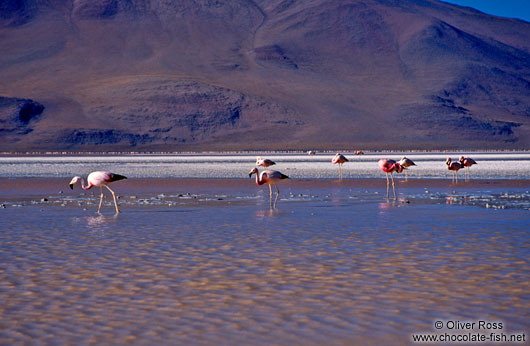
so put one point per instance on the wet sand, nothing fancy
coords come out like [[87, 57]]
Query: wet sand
[[200, 261]]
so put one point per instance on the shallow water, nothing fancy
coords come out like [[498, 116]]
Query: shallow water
[[202, 262], [429, 165]]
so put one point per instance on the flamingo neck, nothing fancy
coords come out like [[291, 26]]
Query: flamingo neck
[[259, 179], [88, 187]]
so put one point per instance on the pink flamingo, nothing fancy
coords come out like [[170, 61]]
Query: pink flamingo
[[406, 163], [99, 179], [340, 159], [358, 152], [268, 177], [467, 162], [390, 166], [454, 167], [264, 162]]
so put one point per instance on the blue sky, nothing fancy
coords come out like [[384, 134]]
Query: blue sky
[[507, 8]]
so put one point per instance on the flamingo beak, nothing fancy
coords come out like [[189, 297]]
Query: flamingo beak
[[72, 186], [250, 175]]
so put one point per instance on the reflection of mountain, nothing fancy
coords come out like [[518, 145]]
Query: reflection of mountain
[[276, 74]]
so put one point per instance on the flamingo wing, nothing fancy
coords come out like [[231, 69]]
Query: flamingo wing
[[269, 176], [100, 178]]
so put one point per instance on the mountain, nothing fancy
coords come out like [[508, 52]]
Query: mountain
[[269, 75]]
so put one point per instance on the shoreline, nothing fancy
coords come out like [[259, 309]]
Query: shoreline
[[137, 193]]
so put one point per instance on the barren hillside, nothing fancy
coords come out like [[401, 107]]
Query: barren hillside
[[275, 74]]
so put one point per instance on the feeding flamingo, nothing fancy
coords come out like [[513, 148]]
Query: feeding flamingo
[[390, 166], [268, 177], [340, 159], [406, 162], [467, 162], [264, 162], [99, 179], [453, 167]]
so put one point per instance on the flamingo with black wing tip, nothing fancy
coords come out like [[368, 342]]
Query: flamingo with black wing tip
[[264, 162], [390, 166], [466, 162], [100, 179], [269, 177], [406, 163], [340, 159], [453, 167]]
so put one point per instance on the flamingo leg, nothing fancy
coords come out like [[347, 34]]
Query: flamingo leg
[[340, 171], [277, 195], [100, 200], [387, 185], [406, 175], [270, 194], [393, 186], [456, 177], [113, 196]]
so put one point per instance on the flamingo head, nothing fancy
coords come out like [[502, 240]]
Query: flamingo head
[[73, 181], [461, 159], [399, 168], [252, 171], [448, 161]]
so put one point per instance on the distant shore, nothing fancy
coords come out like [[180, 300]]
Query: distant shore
[[254, 152]]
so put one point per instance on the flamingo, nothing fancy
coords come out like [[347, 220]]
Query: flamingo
[[269, 177], [467, 162], [406, 162], [264, 162], [310, 153], [358, 152], [454, 167], [340, 159], [100, 179], [390, 166]]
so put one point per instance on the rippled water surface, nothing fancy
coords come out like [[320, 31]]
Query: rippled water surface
[[208, 262], [197, 256], [429, 165]]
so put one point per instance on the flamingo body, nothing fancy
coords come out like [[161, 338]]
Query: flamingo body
[[264, 162], [100, 179], [339, 158], [406, 162], [453, 166], [269, 177], [390, 166]]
